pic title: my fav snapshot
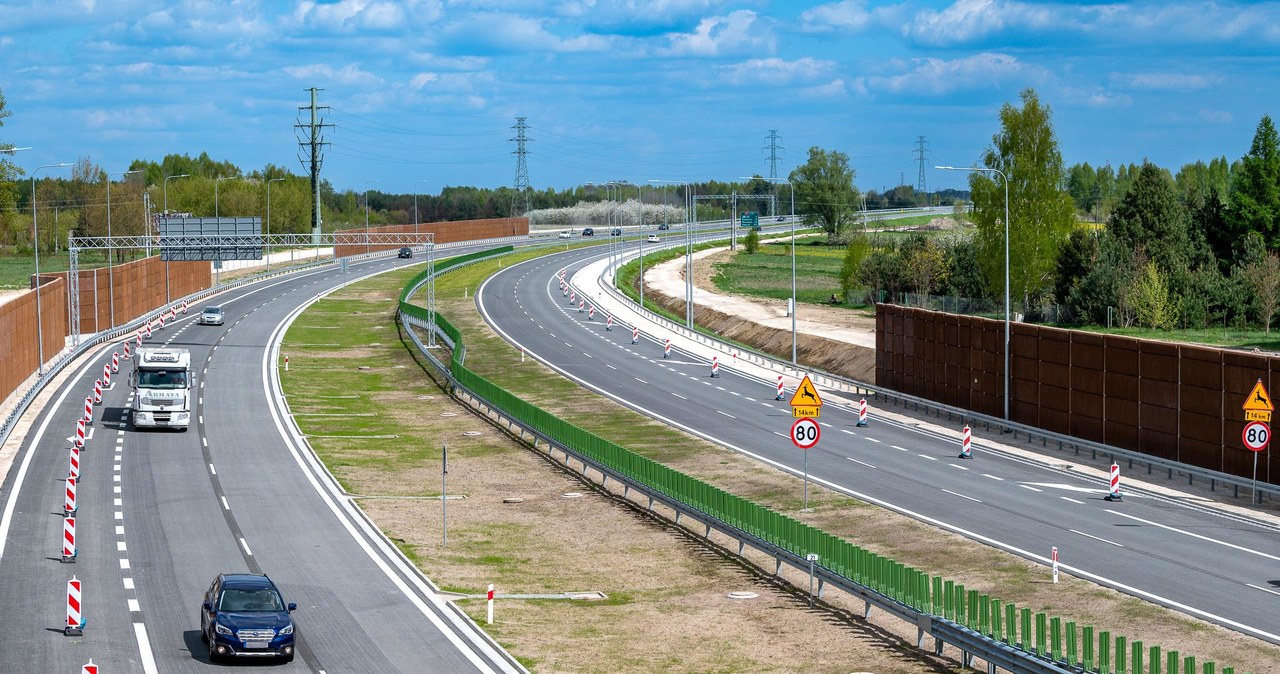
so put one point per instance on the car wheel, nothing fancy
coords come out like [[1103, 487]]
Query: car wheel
[[213, 650], [288, 658], [204, 634]]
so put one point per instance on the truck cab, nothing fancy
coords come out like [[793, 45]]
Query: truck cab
[[161, 382]]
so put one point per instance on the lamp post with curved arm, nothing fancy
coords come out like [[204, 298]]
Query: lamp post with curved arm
[[688, 251], [35, 245], [1005, 178], [794, 301], [166, 189], [111, 253]]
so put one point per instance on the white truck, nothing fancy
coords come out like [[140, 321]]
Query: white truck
[[161, 381]]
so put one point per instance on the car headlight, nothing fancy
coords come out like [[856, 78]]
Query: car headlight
[[287, 630], [222, 629]]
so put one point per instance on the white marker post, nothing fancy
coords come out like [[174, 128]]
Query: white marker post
[[812, 559], [1055, 565], [444, 496], [490, 616]]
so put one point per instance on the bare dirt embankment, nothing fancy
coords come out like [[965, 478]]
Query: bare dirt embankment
[[725, 318]]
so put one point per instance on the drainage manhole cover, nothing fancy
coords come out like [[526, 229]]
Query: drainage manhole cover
[[571, 494], [448, 414], [743, 595], [513, 499], [472, 434]]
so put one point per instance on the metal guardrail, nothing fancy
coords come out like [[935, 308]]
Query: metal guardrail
[[970, 643], [854, 387]]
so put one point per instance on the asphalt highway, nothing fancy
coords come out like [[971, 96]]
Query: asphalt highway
[[1209, 563], [161, 513]]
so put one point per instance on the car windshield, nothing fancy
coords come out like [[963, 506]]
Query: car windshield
[[213, 310], [162, 378], [240, 601]]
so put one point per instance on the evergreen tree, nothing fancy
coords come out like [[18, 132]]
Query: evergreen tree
[[1255, 188]]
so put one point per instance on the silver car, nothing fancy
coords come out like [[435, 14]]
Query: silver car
[[211, 315]]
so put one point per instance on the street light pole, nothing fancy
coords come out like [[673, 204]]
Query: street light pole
[[688, 251], [166, 189], [35, 245], [1006, 269], [794, 301], [268, 239], [366, 215], [111, 253], [415, 205]]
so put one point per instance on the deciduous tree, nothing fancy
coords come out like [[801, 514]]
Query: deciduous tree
[[824, 190]]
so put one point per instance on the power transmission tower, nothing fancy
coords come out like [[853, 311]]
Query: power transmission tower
[[522, 169], [922, 154], [773, 148], [311, 142]]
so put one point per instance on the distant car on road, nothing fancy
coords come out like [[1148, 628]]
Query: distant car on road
[[243, 615], [664, 226], [212, 315], [566, 234], [616, 231], [782, 218], [653, 238], [405, 252], [588, 232]]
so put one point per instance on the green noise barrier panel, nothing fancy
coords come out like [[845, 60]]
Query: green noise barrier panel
[[945, 599]]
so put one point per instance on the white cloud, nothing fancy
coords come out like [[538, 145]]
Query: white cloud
[[1176, 82], [1215, 116], [776, 71], [973, 20], [737, 33], [5, 41], [350, 74], [831, 89], [438, 62], [510, 32], [349, 16], [846, 16], [937, 76]]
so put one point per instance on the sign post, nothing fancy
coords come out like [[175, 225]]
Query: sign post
[[1256, 436], [1257, 432], [804, 434]]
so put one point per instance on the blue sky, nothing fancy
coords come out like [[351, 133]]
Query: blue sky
[[424, 93]]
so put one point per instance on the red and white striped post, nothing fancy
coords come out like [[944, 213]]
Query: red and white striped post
[[1055, 565], [88, 410], [97, 391], [79, 439], [489, 620], [106, 375], [115, 360], [591, 315], [69, 506], [779, 396], [608, 324], [715, 366], [862, 412], [69, 550], [666, 350], [73, 463], [137, 337], [184, 306], [1113, 494], [89, 668], [966, 442], [146, 331], [128, 352], [286, 362], [573, 297], [582, 304], [635, 335], [75, 623]]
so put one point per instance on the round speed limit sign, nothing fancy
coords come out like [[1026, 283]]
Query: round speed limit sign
[[1256, 435], [805, 433]]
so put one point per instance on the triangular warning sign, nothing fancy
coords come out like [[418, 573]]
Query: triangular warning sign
[[1258, 399], [806, 395]]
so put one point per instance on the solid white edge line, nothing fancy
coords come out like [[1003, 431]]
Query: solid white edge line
[[296, 445], [144, 647], [1275, 638], [244, 544]]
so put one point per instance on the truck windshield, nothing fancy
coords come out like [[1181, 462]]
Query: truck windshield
[[162, 379]]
